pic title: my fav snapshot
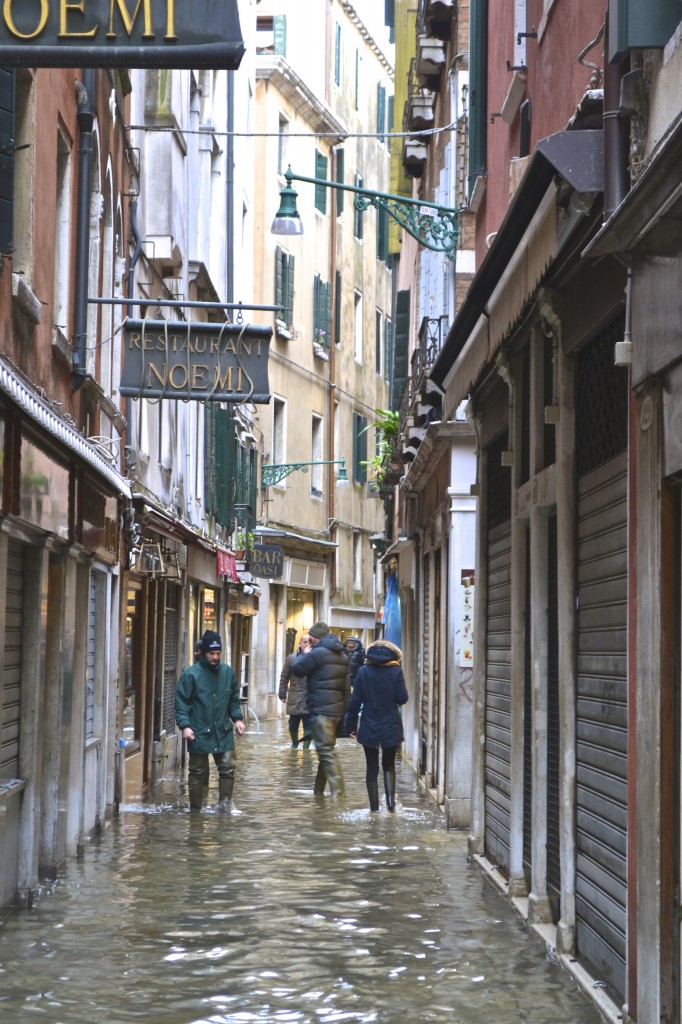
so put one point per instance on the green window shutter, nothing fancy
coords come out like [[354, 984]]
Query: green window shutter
[[288, 291], [252, 495], [359, 214], [320, 190], [328, 310], [279, 25], [317, 319], [221, 463], [279, 288], [388, 349], [7, 112], [340, 194], [381, 111], [382, 234], [641, 24], [209, 458], [478, 97], [401, 346], [359, 448], [337, 308]]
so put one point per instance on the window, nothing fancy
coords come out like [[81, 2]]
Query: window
[[284, 285], [378, 342], [381, 111], [358, 327], [279, 408], [321, 190], [21, 231], [357, 562], [282, 145], [271, 35], [359, 219], [316, 450], [322, 311], [400, 353], [478, 94], [382, 234], [358, 58], [62, 239], [359, 448], [337, 54]]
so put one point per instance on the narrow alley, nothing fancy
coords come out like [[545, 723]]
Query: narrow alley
[[291, 911]]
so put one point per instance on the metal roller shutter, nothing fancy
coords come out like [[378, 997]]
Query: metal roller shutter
[[11, 689], [601, 721], [90, 665], [553, 718], [170, 660], [426, 664]]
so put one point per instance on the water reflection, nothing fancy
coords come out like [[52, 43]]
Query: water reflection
[[296, 911]]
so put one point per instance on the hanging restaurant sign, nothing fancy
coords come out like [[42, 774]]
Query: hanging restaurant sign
[[121, 33], [201, 361]]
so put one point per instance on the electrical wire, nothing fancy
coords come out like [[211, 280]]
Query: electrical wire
[[424, 133]]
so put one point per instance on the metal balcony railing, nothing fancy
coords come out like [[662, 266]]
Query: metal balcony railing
[[430, 342]]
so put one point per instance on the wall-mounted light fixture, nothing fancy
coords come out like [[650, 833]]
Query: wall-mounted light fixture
[[435, 227], [273, 473]]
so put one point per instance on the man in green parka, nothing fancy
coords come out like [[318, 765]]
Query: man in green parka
[[208, 713]]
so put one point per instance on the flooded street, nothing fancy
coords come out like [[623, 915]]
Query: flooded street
[[293, 911]]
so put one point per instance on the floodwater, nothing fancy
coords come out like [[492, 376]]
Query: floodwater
[[294, 911]]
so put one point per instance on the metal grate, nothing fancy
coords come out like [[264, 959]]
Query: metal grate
[[601, 401], [499, 484]]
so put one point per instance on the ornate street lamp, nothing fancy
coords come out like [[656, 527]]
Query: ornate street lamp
[[435, 227]]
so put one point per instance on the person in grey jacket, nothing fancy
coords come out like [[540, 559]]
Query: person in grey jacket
[[293, 691], [327, 671]]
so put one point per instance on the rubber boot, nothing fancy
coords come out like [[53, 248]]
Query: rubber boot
[[373, 792], [320, 780], [293, 732], [196, 795], [389, 787], [225, 790], [306, 742], [335, 777]]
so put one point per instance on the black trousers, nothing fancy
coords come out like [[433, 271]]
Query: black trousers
[[388, 755]]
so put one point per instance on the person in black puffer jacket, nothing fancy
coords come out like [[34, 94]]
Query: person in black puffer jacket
[[378, 691], [327, 671]]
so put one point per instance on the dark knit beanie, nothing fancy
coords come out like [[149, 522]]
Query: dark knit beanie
[[211, 641], [318, 630]]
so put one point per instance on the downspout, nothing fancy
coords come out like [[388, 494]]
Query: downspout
[[616, 136], [85, 116], [229, 157], [332, 379]]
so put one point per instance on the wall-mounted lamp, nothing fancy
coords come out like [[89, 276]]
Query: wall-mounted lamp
[[150, 560], [435, 227], [273, 473]]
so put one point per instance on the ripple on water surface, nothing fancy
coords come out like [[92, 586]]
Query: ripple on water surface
[[297, 910]]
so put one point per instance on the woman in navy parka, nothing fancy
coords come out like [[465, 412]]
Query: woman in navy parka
[[378, 691]]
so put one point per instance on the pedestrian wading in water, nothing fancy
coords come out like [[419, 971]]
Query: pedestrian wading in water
[[378, 690], [208, 713], [326, 669], [293, 691]]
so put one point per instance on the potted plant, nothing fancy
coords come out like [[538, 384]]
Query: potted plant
[[385, 464], [242, 541]]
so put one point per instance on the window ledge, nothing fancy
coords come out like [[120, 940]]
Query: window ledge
[[24, 298], [321, 351], [284, 331]]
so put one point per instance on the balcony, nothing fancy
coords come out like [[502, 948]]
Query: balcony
[[438, 16], [420, 402], [430, 60], [415, 155], [420, 113]]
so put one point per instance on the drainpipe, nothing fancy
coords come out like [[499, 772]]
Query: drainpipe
[[85, 116], [229, 158], [616, 136], [331, 509]]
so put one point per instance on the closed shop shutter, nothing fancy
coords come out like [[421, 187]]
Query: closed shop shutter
[[601, 698], [498, 659], [170, 660], [11, 688], [426, 664], [553, 717], [601, 721], [90, 663], [498, 698]]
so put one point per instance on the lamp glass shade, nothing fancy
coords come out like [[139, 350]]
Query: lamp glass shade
[[342, 478], [287, 220]]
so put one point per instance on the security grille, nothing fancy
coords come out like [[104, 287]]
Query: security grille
[[499, 484], [601, 402], [170, 660], [553, 718], [11, 689]]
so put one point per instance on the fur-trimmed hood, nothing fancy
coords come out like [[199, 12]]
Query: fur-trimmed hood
[[383, 652]]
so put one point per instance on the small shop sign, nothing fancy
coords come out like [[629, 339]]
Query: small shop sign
[[200, 361], [266, 561]]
